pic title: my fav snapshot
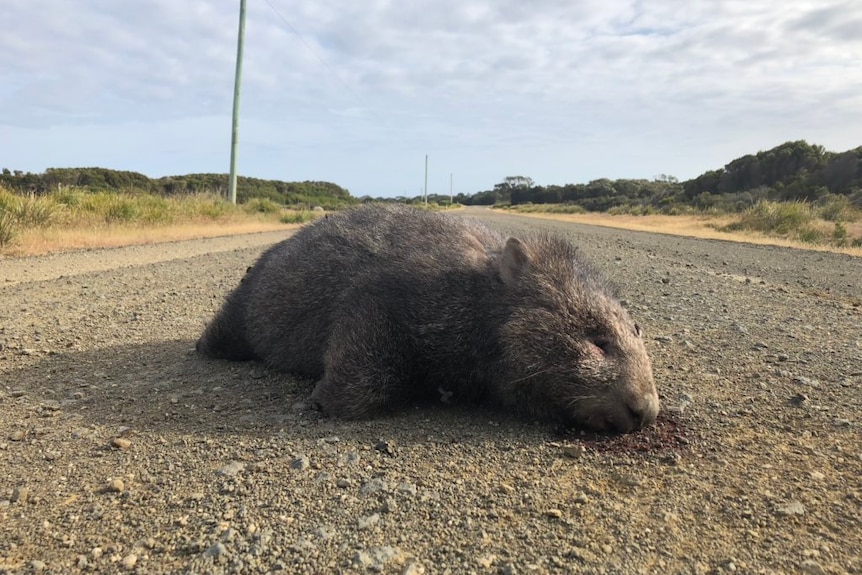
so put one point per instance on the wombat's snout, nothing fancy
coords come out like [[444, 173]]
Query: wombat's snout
[[644, 411], [632, 413]]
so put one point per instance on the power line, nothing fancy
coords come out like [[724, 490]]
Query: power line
[[346, 86], [319, 58]]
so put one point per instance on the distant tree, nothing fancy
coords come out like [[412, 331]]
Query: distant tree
[[515, 182]]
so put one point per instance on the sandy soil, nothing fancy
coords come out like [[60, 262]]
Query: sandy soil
[[121, 450]]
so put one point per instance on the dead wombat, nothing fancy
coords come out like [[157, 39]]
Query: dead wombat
[[385, 304]]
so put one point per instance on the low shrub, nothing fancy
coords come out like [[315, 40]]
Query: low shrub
[[779, 218], [298, 217], [261, 206], [8, 227]]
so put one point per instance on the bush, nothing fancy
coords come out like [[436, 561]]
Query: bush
[[834, 208], [262, 206], [839, 234], [33, 211], [156, 209], [779, 218], [211, 207], [120, 209], [811, 235], [8, 227], [70, 197], [19, 212], [298, 217]]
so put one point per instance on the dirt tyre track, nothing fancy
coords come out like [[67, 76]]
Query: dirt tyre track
[[121, 450]]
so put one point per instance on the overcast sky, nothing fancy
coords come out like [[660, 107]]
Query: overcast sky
[[358, 92]]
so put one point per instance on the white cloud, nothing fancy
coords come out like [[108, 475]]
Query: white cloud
[[562, 91]]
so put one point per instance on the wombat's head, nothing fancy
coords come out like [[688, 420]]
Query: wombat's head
[[571, 351]]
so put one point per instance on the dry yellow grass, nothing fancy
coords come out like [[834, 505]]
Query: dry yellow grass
[[52, 240], [696, 227], [39, 241]]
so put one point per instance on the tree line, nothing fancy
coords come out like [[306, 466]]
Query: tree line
[[307, 193], [792, 171]]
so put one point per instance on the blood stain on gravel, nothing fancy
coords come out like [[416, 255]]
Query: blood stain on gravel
[[667, 434]]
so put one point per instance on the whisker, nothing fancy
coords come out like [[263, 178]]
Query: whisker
[[519, 380]]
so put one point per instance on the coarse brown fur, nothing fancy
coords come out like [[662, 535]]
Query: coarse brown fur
[[386, 304]]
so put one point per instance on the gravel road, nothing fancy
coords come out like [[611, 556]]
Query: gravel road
[[121, 450]]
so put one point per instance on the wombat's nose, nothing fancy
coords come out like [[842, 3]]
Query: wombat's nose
[[637, 417], [641, 411]]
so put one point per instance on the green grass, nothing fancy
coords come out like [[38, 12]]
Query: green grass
[[7, 227], [262, 205], [21, 212], [298, 217], [776, 217], [836, 208], [80, 208]]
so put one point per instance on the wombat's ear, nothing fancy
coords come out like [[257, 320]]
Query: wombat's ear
[[515, 261]]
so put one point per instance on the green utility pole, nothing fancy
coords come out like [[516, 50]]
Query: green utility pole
[[235, 125]]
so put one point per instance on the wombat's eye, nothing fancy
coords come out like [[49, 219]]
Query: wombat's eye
[[638, 331], [603, 344]]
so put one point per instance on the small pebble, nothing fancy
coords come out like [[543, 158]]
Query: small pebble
[[216, 550], [370, 521], [375, 485], [799, 400], [414, 568], [121, 443], [17, 436], [116, 486], [20, 494], [808, 381], [130, 560], [791, 508], [812, 567], [301, 462], [406, 488], [386, 448], [376, 557], [231, 469], [574, 451]]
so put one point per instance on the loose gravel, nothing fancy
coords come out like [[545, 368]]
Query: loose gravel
[[123, 451]]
